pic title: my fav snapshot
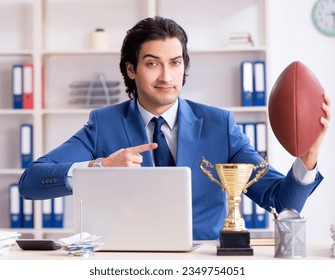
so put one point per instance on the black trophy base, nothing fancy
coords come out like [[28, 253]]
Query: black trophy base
[[235, 243]]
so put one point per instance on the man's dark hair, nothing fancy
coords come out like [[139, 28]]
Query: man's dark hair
[[156, 28]]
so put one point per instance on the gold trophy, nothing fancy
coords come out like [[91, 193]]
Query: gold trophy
[[234, 177]]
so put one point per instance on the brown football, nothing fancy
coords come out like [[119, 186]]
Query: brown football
[[295, 108]]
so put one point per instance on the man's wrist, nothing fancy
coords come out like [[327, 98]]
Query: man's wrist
[[96, 163], [302, 174]]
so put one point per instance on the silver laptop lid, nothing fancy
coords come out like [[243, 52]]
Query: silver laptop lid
[[135, 209]]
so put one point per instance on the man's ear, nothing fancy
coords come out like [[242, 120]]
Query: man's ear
[[130, 70]]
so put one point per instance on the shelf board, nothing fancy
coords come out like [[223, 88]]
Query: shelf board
[[19, 230], [65, 231], [67, 111], [247, 109], [69, 231], [16, 53], [11, 171], [227, 49], [16, 112], [81, 52]]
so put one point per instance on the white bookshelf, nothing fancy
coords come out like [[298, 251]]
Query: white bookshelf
[[54, 35]]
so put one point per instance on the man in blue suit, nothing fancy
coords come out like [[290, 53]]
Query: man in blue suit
[[154, 61]]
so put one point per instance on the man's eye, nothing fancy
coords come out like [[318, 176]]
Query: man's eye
[[151, 64], [177, 62]]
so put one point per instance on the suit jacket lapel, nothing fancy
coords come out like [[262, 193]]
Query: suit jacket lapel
[[135, 130], [189, 131]]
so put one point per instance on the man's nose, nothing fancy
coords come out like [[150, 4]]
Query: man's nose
[[166, 74]]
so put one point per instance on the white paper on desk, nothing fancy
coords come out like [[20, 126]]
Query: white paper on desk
[[79, 238], [8, 234], [7, 240]]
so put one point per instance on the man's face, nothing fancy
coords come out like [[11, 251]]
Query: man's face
[[159, 74]]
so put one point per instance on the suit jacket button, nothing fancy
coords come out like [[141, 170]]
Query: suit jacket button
[[47, 181], [43, 181], [55, 180]]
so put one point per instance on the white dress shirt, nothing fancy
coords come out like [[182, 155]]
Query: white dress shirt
[[169, 128]]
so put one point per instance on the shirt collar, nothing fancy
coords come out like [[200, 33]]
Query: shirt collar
[[169, 115]]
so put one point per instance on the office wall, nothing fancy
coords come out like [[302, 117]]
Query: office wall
[[291, 36]]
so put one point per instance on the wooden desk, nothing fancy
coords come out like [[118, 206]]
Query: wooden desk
[[206, 251], [39, 265]]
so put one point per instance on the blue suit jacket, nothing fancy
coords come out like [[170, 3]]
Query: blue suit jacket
[[202, 131]]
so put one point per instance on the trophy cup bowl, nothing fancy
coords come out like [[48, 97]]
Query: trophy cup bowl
[[234, 177]]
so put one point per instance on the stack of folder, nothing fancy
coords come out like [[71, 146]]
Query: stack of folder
[[23, 86], [255, 216], [21, 210], [253, 83], [53, 212], [257, 134], [240, 39], [26, 144]]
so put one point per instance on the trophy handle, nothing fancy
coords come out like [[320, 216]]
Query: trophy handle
[[265, 167], [204, 163]]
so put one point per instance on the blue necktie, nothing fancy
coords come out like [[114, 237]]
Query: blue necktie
[[163, 156]]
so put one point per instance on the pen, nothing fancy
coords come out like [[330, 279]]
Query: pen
[[81, 219], [274, 212]]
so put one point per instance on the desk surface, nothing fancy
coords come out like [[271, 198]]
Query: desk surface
[[206, 251]]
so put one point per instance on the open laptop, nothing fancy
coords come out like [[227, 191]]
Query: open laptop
[[135, 209]]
